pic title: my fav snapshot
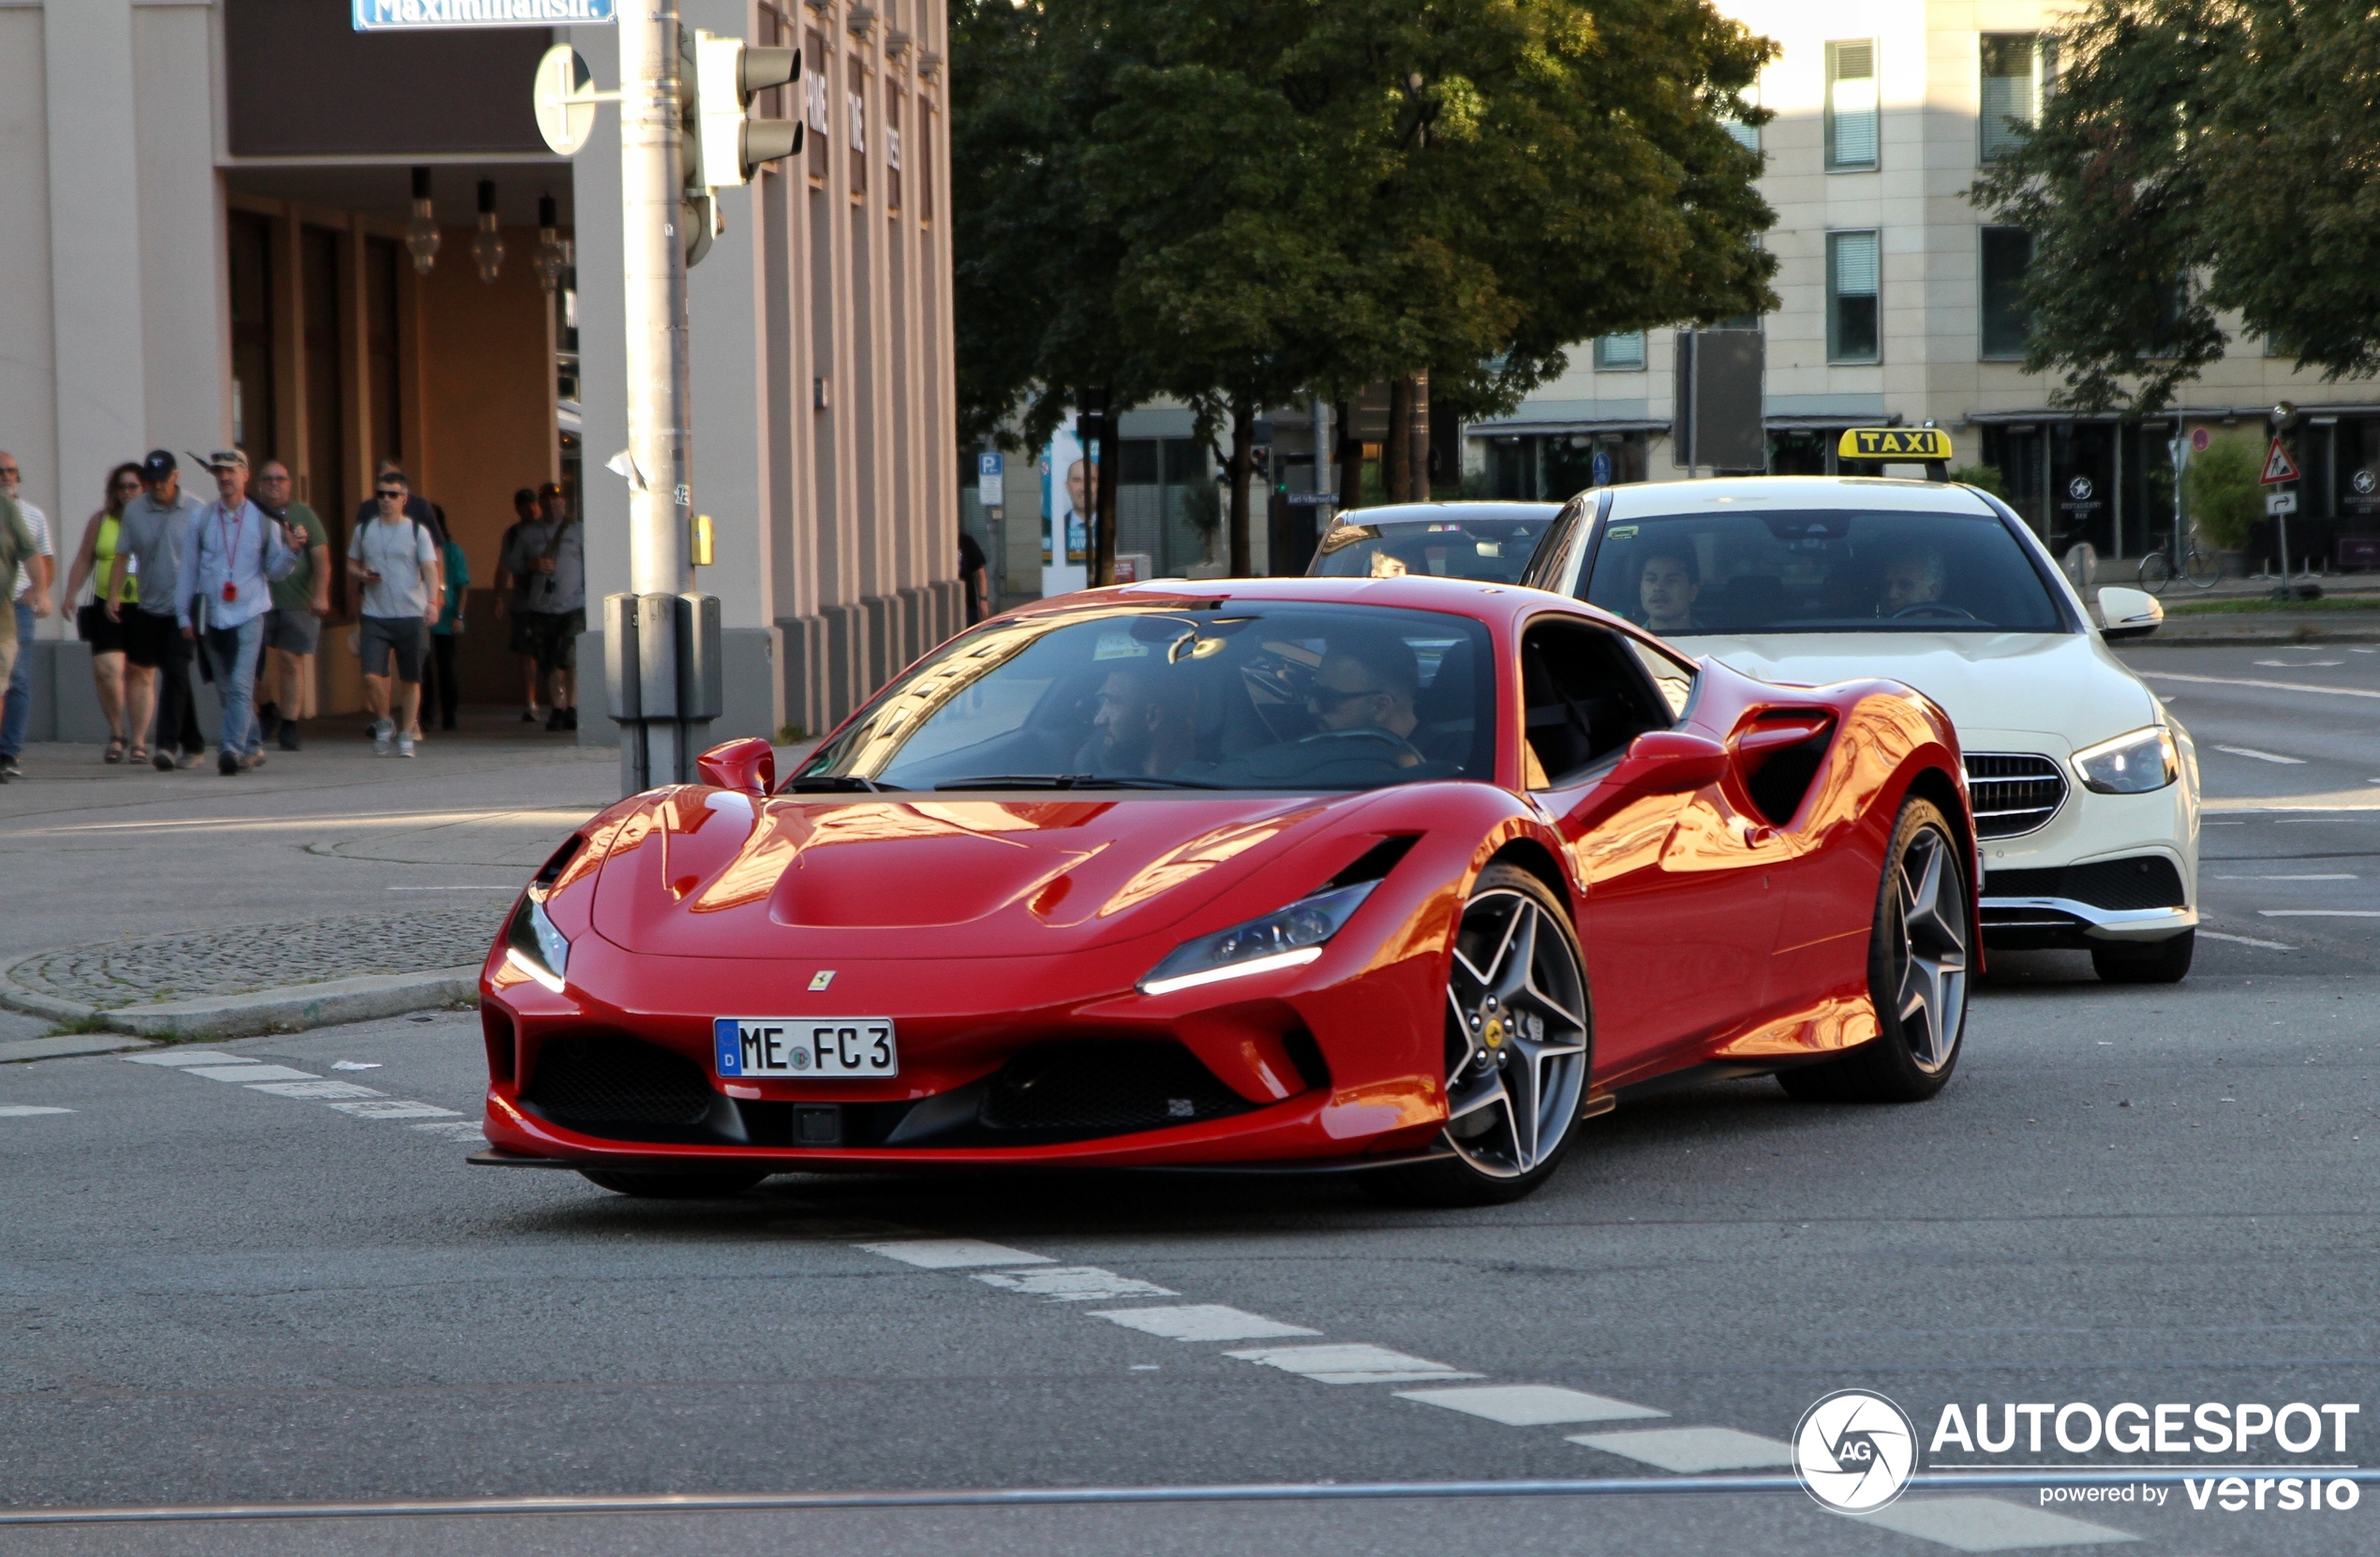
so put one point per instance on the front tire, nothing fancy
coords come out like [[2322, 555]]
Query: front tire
[[722, 1185], [1917, 960], [2160, 962], [1519, 1034]]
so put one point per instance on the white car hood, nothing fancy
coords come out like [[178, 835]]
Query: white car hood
[[2064, 685]]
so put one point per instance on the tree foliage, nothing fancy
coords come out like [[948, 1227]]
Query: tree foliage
[[2221, 492], [2199, 156]]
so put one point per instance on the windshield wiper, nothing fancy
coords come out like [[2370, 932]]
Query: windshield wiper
[[1073, 781], [831, 783]]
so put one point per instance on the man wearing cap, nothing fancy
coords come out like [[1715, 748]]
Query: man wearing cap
[[151, 541], [236, 549], [32, 597]]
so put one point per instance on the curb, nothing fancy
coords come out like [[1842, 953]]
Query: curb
[[290, 1009]]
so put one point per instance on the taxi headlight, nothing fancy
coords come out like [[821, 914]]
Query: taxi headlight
[[1286, 938], [2136, 764], [532, 944]]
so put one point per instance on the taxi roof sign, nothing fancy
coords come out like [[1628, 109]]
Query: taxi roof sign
[[1893, 443]]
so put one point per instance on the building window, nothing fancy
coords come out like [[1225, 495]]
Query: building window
[[2014, 67], [1852, 316], [814, 91], [892, 154], [855, 128], [1851, 106], [2007, 250], [1620, 353]]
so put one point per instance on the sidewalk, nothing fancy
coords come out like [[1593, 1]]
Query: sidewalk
[[330, 885]]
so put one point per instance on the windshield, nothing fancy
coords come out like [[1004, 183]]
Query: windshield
[[1493, 551], [1200, 695], [1821, 570]]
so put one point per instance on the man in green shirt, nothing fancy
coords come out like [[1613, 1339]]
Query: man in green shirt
[[300, 601]]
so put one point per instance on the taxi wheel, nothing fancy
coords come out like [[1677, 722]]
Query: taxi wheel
[[673, 1186], [1916, 974]]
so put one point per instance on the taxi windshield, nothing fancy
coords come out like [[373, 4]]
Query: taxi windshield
[[1493, 551], [1228, 694], [1821, 570]]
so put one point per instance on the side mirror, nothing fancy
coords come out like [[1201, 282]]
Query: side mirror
[[1670, 761], [748, 765], [2128, 613]]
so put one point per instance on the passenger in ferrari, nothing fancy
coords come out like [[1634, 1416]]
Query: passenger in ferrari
[[1368, 683], [1668, 583], [1144, 725], [1912, 577]]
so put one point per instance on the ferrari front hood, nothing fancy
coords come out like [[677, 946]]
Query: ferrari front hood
[[1991, 684], [703, 873]]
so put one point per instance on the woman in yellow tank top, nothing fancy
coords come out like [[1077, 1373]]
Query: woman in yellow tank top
[[94, 560]]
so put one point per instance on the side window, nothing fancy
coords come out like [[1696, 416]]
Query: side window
[[1674, 679], [1587, 698]]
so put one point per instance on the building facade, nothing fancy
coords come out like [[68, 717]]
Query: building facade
[[1899, 300], [218, 243]]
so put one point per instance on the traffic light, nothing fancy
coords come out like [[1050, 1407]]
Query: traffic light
[[727, 74]]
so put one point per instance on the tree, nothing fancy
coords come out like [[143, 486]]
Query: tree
[[2220, 486], [2199, 156]]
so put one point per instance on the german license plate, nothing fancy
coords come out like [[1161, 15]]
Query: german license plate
[[827, 1047]]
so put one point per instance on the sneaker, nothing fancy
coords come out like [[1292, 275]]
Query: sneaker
[[267, 719], [381, 731], [528, 715], [189, 759], [253, 761], [164, 760], [10, 768], [404, 745], [227, 763], [554, 719], [289, 741], [569, 718]]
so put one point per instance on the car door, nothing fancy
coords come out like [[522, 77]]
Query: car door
[[1679, 917]]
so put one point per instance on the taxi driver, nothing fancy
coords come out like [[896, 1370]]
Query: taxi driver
[[1911, 578], [1667, 587]]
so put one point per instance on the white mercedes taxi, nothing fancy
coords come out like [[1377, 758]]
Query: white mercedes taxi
[[2085, 786]]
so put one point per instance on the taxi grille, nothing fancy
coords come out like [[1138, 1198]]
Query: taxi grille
[[1105, 1089], [2013, 793], [2145, 881], [601, 1082]]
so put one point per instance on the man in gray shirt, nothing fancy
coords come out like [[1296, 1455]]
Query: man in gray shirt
[[551, 554], [151, 543]]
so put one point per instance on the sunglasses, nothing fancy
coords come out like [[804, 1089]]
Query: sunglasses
[[1323, 697], [387, 493], [128, 486]]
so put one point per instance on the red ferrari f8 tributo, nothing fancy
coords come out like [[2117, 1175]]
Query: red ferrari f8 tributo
[[1408, 875]]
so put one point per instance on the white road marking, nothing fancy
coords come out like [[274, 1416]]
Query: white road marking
[[314, 1089], [2333, 876], [2319, 913], [355, 1064], [1072, 1284], [2263, 756], [2245, 941], [2299, 664], [446, 1130], [394, 1108], [953, 1253], [1529, 1404], [1202, 1322], [1988, 1525], [2265, 686], [27, 1110], [1350, 1364], [250, 1073], [1692, 1450], [493, 886], [178, 1058]]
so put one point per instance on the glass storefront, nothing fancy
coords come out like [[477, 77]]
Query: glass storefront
[[1554, 466]]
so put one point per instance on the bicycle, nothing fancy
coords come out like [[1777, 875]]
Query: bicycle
[[2198, 567]]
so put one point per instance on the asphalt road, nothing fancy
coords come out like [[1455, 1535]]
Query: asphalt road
[[214, 1294]]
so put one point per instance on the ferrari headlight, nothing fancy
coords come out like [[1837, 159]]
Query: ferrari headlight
[[2130, 765], [1286, 938], [532, 944]]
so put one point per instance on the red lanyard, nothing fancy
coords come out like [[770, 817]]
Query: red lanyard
[[232, 548]]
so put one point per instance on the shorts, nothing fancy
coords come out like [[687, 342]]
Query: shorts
[[150, 640], [382, 636], [92, 626], [554, 638], [523, 639], [292, 631]]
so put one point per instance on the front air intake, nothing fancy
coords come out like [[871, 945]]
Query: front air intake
[[604, 1084], [1113, 1089]]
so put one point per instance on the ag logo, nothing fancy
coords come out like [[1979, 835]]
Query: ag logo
[[2079, 488], [1855, 1451]]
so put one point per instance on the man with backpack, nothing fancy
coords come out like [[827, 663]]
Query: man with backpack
[[396, 562], [552, 556]]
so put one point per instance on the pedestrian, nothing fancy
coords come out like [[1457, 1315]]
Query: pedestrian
[[16, 547], [94, 560], [236, 551], [512, 597], [293, 628], [973, 577], [394, 559], [30, 597], [151, 543], [554, 552], [446, 634]]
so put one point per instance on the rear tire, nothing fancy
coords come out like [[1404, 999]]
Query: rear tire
[[2160, 962], [673, 1186], [1917, 956], [1519, 1038]]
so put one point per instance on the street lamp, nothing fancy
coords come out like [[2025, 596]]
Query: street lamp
[[487, 249], [421, 233], [552, 257]]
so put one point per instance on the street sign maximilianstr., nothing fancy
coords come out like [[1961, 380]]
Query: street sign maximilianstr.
[[388, 16]]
